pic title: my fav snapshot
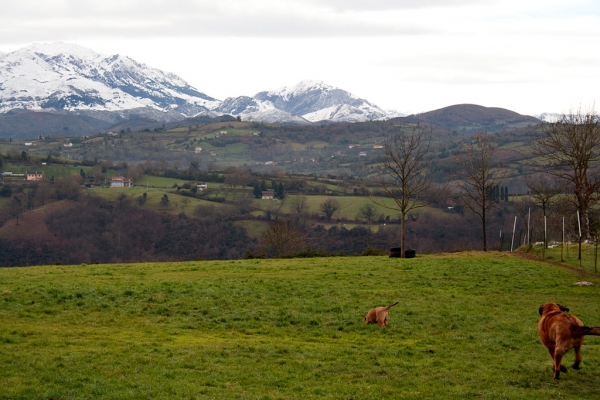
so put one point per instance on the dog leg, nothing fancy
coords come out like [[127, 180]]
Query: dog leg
[[558, 367], [578, 357]]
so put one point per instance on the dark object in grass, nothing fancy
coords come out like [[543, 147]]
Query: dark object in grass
[[397, 252], [378, 315], [561, 332]]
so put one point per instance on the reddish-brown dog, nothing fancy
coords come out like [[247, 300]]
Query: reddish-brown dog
[[561, 332], [378, 315]]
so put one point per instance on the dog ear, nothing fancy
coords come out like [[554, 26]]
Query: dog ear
[[562, 308]]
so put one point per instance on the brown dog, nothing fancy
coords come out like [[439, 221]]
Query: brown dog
[[561, 332], [378, 315]]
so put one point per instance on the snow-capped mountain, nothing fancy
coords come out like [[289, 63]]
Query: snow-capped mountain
[[61, 77], [69, 77], [548, 117], [312, 101]]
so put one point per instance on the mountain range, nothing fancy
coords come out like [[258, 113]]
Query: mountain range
[[66, 77], [66, 89]]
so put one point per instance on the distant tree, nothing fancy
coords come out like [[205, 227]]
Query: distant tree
[[257, 192], [542, 192], [82, 173], [1, 162], [185, 201], [6, 191], [237, 176], [31, 195], [68, 187], [165, 200], [280, 191], [300, 205], [16, 208], [569, 150], [367, 212], [283, 238], [478, 176], [142, 199], [329, 207]]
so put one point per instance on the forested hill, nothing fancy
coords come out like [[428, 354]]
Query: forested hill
[[472, 117]]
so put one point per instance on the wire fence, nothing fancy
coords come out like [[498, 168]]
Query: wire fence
[[554, 242]]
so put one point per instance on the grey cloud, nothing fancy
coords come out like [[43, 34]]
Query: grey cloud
[[189, 18]]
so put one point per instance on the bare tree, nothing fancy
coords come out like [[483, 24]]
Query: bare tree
[[300, 204], [330, 207], [367, 212], [478, 178], [569, 150], [542, 191], [16, 208], [283, 238], [402, 172]]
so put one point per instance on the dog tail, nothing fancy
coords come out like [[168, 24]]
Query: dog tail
[[587, 330], [391, 305]]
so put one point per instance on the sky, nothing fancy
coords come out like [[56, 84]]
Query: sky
[[529, 56]]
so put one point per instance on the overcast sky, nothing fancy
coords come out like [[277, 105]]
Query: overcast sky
[[530, 56]]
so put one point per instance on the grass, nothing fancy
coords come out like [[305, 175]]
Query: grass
[[569, 255], [58, 171], [349, 205], [154, 197], [158, 181], [465, 328]]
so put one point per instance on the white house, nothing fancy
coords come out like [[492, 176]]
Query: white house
[[120, 181], [198, 150]]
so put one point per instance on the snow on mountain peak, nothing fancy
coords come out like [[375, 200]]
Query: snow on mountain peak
[[72, 77], [65, 76], [60, 48]]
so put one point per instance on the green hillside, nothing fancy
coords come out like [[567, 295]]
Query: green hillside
[[465, 327]]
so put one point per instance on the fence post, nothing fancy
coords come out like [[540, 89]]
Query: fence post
[[579, 225], [596, 256], [528, 220], [562, 248], [512, 241], [500, 240]]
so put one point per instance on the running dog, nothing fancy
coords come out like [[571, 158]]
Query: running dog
[[378, 315], [561, 332]]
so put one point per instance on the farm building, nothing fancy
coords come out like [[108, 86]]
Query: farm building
[[120, 181], [34, 176]]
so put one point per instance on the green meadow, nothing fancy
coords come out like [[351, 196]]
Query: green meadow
[[465, 327]]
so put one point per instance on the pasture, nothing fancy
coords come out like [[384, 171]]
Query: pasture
[[465, 327]]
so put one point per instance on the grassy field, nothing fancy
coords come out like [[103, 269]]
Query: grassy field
[[569, 255], [279, 329]]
